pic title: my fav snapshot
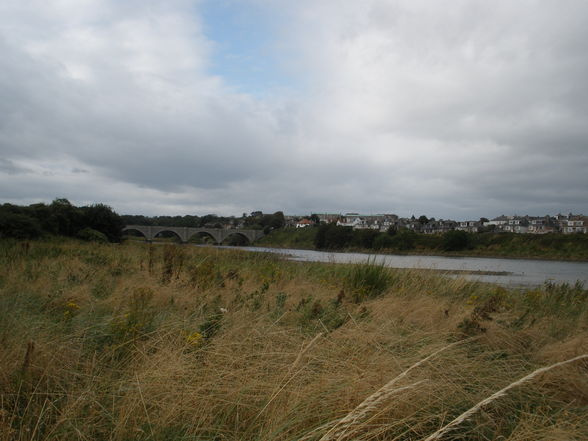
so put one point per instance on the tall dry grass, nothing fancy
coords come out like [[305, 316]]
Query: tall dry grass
[[135, 342]]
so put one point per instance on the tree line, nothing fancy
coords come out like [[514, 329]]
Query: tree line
[[332, 236], [256, 220], [97, 222]]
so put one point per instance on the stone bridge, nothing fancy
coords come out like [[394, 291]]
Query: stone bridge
[[185, 233]]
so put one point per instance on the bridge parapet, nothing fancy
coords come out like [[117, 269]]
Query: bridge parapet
[[185, 233]]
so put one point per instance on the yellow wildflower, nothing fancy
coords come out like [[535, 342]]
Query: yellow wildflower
[[194, 339], [72, 306]]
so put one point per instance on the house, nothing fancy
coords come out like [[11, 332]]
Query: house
[[352, 220], [329, 218], [469, 226], [516, 224], [303, 223], [575, 224], [497, 222], [509, 224], [439, 226], [541, 225], [362, 222]]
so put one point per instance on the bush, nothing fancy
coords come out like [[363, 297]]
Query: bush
[[383, 241], [365, 238], [455, 240], [91, 235], [404, 240], [331, 236], [19, 226]]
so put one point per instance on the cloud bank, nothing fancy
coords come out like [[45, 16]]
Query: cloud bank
[[460, 109]]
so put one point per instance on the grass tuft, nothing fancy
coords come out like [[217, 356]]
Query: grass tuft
[[368, 280]]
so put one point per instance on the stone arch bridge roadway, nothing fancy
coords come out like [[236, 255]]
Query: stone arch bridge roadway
[[185, 233]]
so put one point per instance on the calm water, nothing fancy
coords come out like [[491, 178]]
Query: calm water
[[518, 271]]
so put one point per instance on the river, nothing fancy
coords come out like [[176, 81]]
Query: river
[[510, 272]]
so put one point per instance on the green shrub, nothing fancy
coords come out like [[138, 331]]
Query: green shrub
[[404, 240], [383, 241], [455, 240], [90, 235], [331, 236], [19, 226], [364, 238]]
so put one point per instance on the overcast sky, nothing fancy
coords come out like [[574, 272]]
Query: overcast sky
[[453, 109]]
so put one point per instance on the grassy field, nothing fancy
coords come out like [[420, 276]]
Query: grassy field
[[167, 342]]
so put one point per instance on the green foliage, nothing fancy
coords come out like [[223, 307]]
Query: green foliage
[[404, 240], [365, 238], [18, 226], [90, 235], [290, 238], [60, 218], [368, 280], [266, 222], [455, 240], [102, 218], [383, 241], [331, 236]]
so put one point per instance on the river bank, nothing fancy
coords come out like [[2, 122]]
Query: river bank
[[557, 247], [436, 253], [506, 272]]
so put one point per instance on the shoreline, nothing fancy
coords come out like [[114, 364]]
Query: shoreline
[[428, 253]]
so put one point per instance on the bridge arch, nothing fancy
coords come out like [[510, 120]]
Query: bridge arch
[[236, 239], [135, 230], [171, 231], [203, 235]]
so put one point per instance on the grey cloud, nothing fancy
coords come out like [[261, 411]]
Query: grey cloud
[[453, 110]]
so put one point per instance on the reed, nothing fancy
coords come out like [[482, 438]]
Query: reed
[[133, 342], [502, 392]]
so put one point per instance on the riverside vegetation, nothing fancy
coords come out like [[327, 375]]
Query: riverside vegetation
[[168, 342], [453, 243]]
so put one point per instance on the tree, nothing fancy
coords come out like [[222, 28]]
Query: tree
[[64, 218], [404, 240], [278, 220], [383, 241], [365, 238], [331, 236], [102, 218], [423, 219], [18, 226], [455, 240], [315, 218]]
